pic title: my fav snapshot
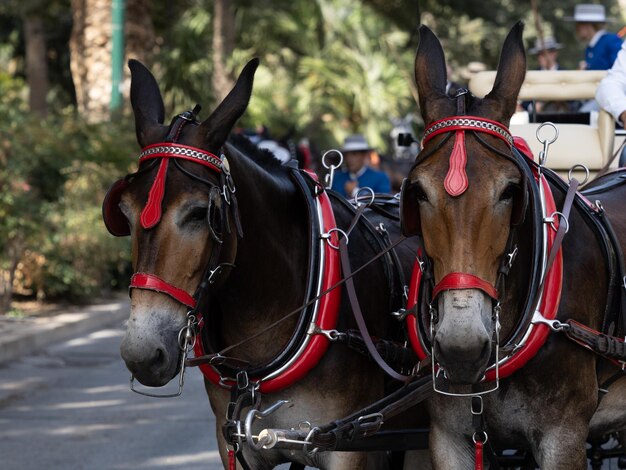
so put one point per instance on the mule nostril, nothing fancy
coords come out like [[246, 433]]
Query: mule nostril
[[159, 358]]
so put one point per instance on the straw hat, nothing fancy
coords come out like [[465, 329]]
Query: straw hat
[[589, 13], [548, 44], [355, 143]]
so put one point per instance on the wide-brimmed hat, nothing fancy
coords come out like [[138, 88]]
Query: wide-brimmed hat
[[355, 143], [548, 44], [589, 13]]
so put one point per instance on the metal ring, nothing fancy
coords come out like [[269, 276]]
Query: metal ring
[[563, 219], [338, 230], [556, 133], [578, 165], [331, 151], [482, 442], [372, 197]]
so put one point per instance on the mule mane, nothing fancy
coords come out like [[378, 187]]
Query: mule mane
[[264, 158]]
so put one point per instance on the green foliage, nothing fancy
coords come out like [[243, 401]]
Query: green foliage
[[53, 175]]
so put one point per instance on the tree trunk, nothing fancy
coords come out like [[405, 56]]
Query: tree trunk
[[223, 45], [139, 31], [36, 64], [8, 277], [90, 48]]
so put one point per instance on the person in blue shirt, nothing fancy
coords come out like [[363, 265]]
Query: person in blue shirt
[[356, 152], [602, 46]]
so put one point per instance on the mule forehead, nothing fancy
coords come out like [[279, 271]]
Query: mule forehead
[[168, 249], [466, 233]]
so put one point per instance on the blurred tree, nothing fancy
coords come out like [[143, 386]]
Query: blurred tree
[[223, 45], [90, 47], [36, 60]]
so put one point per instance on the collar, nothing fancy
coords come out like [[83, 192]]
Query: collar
[[596, 37], [359, 173]]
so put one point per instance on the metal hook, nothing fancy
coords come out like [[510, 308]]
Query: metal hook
[[331, 175], [254, 414]]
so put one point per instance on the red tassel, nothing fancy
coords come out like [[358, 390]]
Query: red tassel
[[231, 459], [478, 453], [151, 214], [456, 180]]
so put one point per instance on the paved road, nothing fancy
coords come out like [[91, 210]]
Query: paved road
[[71, 408]]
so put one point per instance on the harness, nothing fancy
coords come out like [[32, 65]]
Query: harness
[[316, 326]]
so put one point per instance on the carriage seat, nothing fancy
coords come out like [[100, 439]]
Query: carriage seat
[[588, 144]]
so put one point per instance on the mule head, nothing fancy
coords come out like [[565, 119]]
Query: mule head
[[192, 220], [462, 195]]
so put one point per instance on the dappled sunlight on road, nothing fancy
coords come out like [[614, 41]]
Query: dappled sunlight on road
[[73, 404]]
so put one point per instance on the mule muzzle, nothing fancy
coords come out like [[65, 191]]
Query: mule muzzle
[[154, 359], [462, 342]]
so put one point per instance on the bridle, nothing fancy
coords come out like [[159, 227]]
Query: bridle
[[545, 281], [222, 204]]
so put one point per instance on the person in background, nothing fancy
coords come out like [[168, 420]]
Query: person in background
[[611, 93], [358, 174], [547, 52], [602, 46]]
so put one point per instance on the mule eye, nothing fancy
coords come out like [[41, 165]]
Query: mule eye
[[420, 194], [509, 192], [197, 214]]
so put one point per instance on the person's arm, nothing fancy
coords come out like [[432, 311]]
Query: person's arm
[[611, 94]]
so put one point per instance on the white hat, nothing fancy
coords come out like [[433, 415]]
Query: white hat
[[589, 13], [355, 143], [548, 44], [279, 152]]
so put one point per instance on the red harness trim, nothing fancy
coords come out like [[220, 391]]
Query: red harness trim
[[464, 281], [549, 305], [456, 181], [151, 213], [151, 282], [327, 317]]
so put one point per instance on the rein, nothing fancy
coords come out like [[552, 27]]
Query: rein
[[209, 358]]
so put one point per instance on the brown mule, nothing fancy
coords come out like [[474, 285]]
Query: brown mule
[[464, 196], [255, 280]]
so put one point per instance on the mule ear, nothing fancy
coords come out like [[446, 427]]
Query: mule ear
[[431, 77], [502, 99], [147, 103], [218, 125]]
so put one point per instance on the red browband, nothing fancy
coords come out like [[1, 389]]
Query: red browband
[[155, 283], [151, 213], [454, 281], [456, 181]]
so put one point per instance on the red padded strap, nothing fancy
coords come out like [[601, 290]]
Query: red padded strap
[[151, 214], [456, 180], [464, 281], [155, 283]]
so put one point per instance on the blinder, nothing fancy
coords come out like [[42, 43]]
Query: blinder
[[520, 203], [215, 214], [114, 220], [410, 223]]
